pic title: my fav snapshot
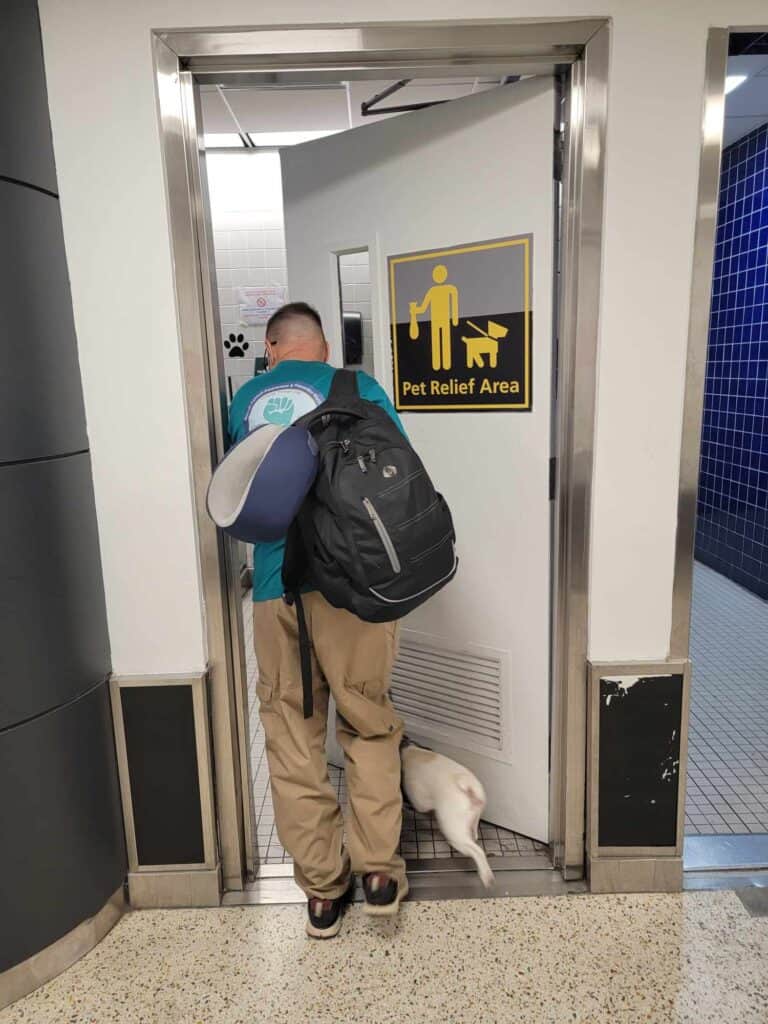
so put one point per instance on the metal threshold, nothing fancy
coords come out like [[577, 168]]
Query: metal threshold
[[709, 881], [434, 865], [437, 885], [438, 879], [725, 853]]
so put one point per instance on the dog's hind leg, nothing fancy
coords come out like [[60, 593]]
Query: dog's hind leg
[[459, 836]]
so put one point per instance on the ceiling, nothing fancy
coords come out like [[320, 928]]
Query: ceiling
[[228, 110], [746, 107]]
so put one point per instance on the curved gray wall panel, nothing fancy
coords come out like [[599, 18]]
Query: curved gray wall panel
[[62, 849], [62, 852], [26, 152], [41, 400], [53, 631]]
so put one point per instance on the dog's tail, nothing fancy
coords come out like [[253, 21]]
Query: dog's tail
[[474, 793], [471, 849]]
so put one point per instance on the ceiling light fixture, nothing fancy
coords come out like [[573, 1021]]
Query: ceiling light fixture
[[222, 140], [289, 138], [733, 82]]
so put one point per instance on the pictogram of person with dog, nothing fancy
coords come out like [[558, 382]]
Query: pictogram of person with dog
[[442, 301]]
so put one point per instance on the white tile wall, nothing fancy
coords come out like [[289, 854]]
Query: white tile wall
[[249, 239], [249, 243], [246, 199]]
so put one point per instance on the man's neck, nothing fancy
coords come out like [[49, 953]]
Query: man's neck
[[297, 356]]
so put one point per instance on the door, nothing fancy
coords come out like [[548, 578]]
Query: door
[[472, 679]]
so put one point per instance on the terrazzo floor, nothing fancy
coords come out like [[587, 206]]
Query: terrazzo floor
[[652, 959]]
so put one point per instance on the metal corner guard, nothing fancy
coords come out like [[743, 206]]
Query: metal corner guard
[[713, 113], [153, 890], [23, 978]]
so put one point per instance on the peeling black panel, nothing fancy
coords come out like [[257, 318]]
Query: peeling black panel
[[639, 760]]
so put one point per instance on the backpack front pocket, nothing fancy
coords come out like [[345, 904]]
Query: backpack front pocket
[[384, 535]]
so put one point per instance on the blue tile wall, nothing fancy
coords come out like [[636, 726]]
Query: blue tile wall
[[732, 527]]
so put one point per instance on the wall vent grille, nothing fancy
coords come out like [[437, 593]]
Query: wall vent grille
[[444, 691]]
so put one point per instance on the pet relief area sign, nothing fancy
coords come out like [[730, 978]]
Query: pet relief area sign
[[461, 327]]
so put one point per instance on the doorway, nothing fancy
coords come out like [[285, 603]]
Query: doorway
[[577, 319], [472, 678], [727, 794]]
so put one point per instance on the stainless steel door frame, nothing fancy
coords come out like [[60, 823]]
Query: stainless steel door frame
[[370, 50], [581, 254], [713, 115], [192, 269]]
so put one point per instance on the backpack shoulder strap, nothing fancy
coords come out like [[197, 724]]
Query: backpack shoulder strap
[[295, 559], [295, 566], [343, 385]]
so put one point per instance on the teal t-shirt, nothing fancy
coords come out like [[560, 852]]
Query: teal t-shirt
[[292, 389]]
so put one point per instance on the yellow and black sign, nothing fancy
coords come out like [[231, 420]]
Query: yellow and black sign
[[461, 327]]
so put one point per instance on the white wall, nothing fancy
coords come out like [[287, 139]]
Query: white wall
[[101, 90]]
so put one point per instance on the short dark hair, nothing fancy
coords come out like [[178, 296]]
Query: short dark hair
[[291, 311]]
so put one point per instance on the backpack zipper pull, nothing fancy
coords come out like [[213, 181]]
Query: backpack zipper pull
[[361, 463], [346, 445], [372, 455]]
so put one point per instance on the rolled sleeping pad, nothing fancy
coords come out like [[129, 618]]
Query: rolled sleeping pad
[[260, 483]]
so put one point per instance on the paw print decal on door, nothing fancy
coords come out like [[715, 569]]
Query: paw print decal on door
[[236, 346]]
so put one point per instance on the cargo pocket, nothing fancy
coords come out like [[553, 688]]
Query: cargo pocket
[[375, 690], [264, 692], [366, 708], [270, 713]]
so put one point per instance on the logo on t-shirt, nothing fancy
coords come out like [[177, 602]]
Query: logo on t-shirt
[[281, 405]]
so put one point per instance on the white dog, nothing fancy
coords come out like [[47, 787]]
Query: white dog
[[433, 782]]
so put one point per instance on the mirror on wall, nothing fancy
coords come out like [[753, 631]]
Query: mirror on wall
[[355, 295]]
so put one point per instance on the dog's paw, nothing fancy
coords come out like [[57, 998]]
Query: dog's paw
[[486, 876]]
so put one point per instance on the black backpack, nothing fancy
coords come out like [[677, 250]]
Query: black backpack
[[373, 535]]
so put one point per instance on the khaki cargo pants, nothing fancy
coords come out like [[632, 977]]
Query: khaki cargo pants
[[352, 660]]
